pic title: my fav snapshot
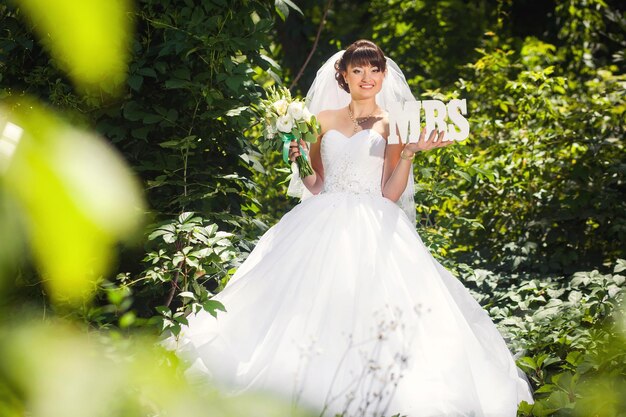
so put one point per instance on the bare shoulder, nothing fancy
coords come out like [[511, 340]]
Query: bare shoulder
[[328, 118], [382, 124], [323, 118]]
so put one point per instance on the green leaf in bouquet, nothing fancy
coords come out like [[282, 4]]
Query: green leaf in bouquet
[[302, 126], [310, 137], [296, 133], [315, 125], [285, 93]]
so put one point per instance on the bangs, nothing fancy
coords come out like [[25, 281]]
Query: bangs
[[365, 56], [361, 53]]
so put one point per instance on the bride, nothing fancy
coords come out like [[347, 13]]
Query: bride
[[340, 307]]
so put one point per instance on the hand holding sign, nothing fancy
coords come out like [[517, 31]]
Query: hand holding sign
[[436, 139]]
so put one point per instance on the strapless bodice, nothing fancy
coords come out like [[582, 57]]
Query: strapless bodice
[[353, 163]]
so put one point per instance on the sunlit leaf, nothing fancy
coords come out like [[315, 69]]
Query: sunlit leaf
[[61, 372], [88, 38], [77, 196]]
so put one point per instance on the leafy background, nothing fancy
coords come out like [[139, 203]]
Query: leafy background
[[529, 212]]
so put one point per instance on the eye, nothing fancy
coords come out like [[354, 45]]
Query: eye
[[375, 69], [356, 71]]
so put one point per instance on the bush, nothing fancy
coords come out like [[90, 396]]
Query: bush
[[571, 332]]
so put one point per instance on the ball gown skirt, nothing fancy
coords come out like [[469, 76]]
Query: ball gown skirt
[[341, 308]]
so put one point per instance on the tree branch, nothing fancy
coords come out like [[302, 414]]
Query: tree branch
[[317, 38]]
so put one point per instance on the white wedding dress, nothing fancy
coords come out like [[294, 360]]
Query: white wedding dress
[[341, 307]]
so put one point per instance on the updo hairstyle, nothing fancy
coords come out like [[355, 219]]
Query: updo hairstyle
[[360, 53]]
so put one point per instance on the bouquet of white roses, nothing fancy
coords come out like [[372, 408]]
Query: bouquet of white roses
[[288, 119]]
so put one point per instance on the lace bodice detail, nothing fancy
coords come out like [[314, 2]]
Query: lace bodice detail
[[353, 164]]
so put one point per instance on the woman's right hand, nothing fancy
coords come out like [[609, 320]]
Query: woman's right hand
[[294, 150]]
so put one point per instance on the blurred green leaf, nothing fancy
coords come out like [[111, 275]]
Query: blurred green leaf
[[77, 195], [89, 39]]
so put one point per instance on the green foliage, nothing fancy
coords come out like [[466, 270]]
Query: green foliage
[[181, 120], [429, 39], [116, 377], [88, 41], [49, 169], [269, 200], [555, 154], [203, 255], [186, 261], [190, 86], [571, 333], [283, 6]]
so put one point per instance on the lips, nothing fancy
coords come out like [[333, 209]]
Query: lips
[[367, 86]]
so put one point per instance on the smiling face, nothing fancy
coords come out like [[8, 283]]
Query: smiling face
[[364, 80], [361, 69]]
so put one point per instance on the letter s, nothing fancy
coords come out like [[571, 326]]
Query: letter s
[[453, 113]]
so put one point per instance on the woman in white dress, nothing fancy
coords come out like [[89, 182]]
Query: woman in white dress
[[340, 307]]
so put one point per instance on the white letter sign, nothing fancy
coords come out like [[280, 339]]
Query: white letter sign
[[405, 119]]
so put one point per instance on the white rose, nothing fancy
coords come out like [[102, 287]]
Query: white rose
[[296, 110], [307, 115], [284, 123], [280, 106]]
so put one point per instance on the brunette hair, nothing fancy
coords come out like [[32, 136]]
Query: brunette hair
[[360, 53]]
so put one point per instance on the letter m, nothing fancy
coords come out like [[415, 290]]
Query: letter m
[[404, 118]]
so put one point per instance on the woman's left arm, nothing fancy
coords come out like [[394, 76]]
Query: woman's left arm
[[396, 169]]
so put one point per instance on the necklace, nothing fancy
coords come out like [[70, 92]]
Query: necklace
[[357, 123]]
